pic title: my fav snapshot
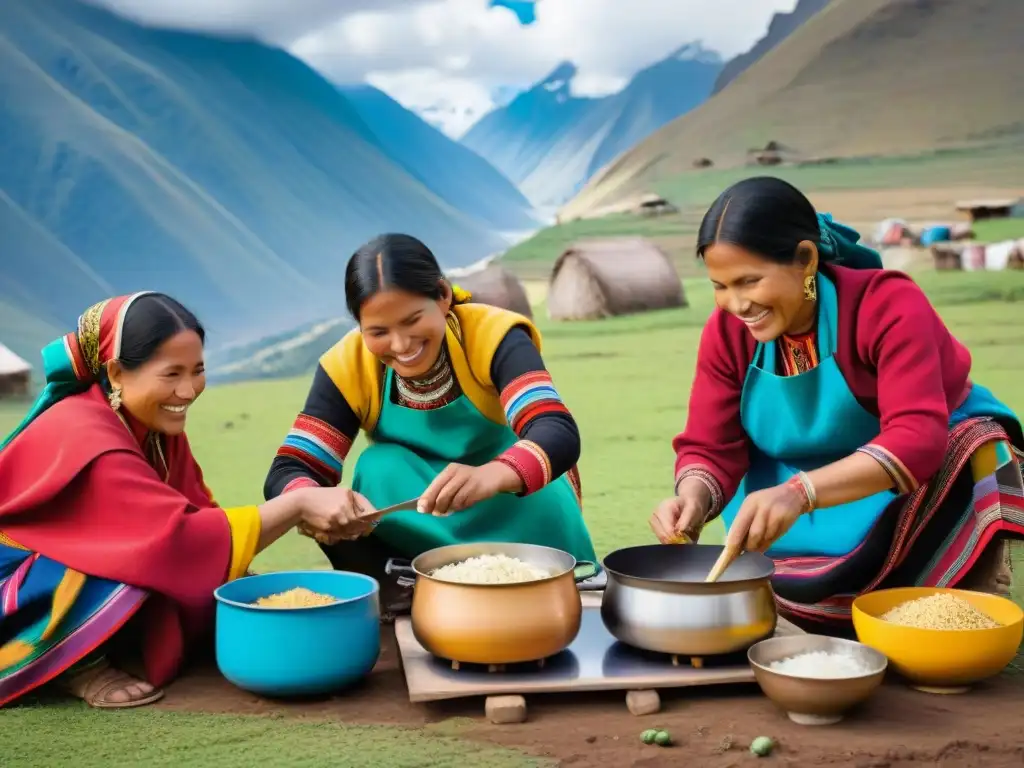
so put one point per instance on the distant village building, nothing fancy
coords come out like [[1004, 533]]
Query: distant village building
[[15, 375], [655, 205], [618, 276], [498, 287], [980, 210], [773, 153]]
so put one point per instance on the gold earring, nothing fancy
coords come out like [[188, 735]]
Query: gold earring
[[810, 288], [115, 399]]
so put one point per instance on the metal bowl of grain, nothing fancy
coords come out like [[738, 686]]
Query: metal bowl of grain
[[815, 679], [940, 640]]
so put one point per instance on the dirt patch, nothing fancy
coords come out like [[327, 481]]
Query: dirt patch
[[710, 727]]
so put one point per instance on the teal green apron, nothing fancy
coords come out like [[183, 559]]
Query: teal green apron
[[801, 423], [411, 447]]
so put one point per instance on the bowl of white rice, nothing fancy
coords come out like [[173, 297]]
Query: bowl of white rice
[[816, 680]]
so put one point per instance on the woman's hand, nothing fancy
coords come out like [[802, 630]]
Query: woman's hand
[[333, 514], [684, 515], [765, 516], [459, 487]]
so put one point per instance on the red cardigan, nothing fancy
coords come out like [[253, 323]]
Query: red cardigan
[[897, 356]]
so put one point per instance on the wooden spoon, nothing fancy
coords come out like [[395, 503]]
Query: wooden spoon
[[729, 553]]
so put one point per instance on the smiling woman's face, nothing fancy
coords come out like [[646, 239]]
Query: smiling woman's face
[[405, 331], [159, 392], [767, 296]]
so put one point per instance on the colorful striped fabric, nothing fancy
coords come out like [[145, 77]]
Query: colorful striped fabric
[[300, 482], [68, 616], [577, 484], [979, 446], [530, 462], [523, 400], [527, 397], [902, 480], [319, 446]]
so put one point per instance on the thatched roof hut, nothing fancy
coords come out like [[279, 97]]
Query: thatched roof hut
[[498, 287], [655, 205], [618, 276], [772, 153], [15, 374], [981, 210]]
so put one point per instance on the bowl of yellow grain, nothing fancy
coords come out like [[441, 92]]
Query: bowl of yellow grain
[[297, 633], [940, 640]]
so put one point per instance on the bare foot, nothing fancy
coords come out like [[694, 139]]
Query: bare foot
[[105, 687]]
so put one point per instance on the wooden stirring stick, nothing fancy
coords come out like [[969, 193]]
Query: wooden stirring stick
[[729, 553]]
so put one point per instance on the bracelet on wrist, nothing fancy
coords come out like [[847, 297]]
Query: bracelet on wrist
[[801, 483]]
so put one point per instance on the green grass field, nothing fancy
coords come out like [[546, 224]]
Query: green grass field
[[996, 230], [626, 380], [991, 166], [997, 166]]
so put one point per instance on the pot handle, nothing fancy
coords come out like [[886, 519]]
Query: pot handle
[[590, 570], [403, 569], [399, 566]]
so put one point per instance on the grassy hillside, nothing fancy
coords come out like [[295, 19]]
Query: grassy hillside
[[999, 229], [862, 192], [860, 78], [780, 27]]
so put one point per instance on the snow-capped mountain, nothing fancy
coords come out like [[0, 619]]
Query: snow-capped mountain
[[549, 141]]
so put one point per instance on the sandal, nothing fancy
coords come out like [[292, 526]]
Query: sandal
[[104, 687]]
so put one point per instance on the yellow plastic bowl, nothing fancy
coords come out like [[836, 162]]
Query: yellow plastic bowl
[[940, 660]]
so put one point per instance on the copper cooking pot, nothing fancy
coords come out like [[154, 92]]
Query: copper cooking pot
[[496, 623]]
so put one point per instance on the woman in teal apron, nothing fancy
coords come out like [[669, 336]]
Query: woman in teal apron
[[833, 421], [460, 413]]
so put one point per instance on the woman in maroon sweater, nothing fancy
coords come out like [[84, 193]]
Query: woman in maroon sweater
[[833, 423]]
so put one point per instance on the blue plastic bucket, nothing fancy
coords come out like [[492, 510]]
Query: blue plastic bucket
[[284, 652]]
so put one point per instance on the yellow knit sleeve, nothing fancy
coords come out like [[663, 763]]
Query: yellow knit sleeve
[[246, 527], [358, 375]]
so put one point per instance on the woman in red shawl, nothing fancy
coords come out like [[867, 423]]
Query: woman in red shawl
[[833, 420], [103, 509]]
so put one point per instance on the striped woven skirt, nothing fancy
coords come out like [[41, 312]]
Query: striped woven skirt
[[52, 618], [932, 537]]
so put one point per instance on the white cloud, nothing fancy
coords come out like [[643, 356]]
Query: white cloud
[[451, 104], [274, 21], [452, 54]]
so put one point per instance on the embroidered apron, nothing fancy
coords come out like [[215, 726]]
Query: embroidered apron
[[411, 447]]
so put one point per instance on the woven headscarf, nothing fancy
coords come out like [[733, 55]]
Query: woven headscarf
[[78, 360], [839, 245]]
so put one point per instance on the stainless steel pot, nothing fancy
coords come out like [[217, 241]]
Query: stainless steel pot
[[657, 600], [496, 623]]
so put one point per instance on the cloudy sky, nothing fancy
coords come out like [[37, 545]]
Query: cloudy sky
[[449, 58]]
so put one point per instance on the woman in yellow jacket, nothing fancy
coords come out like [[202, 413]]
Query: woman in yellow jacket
[[460, 412]]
